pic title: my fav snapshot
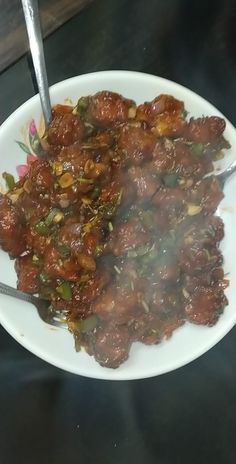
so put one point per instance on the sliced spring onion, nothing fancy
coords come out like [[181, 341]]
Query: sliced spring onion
[[81, 106], [64, 250], [117, 270], [64, 290], [9, 179], [99, 250], [83, 180], [55, 215], [151, 256], [139, 251], [41, 228], [44, 277]]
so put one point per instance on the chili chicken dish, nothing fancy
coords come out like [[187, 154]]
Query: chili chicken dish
[[115, 224]]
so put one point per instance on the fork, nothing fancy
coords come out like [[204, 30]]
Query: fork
[[45, 312], [224, 175]]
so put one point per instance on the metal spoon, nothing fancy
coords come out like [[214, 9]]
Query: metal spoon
[[31, 13]]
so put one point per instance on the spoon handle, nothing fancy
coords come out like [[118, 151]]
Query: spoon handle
[[31, 13]]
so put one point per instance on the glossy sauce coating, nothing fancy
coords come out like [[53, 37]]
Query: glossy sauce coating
[[116, 226]]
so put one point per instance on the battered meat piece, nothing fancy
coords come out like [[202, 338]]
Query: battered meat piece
[[27, 272], [65, 129], [12, 228], [205, 130], [111, 345], [107, 108], [116, 304], [127, 236], [57, 268], [162, 104], [206, 193], [41, 176], [205, 305], [145, 182], [136, 144]]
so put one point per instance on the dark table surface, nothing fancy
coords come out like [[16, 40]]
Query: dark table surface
[[187, 416]]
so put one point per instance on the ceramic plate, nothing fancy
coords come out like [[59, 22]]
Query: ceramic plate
[[56, 346]]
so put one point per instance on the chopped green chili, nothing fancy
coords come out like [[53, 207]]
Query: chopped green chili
[[88, 324], [64, 290], [52, 216]]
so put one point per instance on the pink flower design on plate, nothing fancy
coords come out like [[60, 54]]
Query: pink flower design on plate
[[32, 148], [22, 169]]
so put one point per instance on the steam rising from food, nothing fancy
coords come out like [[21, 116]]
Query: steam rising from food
[[116, 226]]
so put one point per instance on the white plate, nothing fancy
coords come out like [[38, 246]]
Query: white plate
[[56, 346]]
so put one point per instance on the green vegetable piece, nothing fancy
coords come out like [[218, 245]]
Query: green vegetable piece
[[64, 250], [88, 324], [9, 179], [95, 192], [109, 209], [151, 256], [99, 249], [198, 149], [81, 107], [64, 290], [49, 219], [140, 251], [83, 180], [41, 228], [44, 277], [170, 180], [147, 219]]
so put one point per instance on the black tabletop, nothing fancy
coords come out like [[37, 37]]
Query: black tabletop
[[187, 416]]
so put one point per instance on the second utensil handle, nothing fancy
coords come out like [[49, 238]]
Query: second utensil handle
[[31, 13]]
